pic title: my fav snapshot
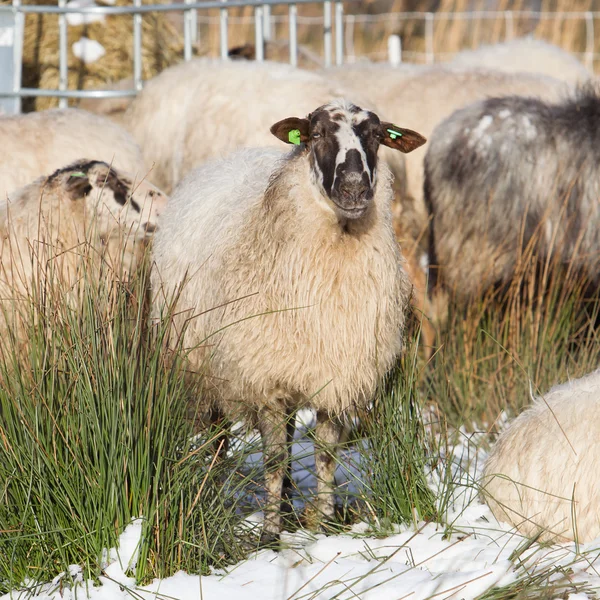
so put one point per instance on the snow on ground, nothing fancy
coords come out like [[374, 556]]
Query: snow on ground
[[415, 562]]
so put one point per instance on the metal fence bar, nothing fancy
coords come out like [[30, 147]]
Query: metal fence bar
[[339, 33], [510, 25], [63, 55], [293, 17], [267, 29], [31, 92], [394, 50], [589, 40], [259, 34], [349, 34], [152, 8], [430, 57], [223, 42], [181, 6], [18, 55], [137, 48], [190, 30], [327, 32]]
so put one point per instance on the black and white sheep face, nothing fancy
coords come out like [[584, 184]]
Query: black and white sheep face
[[342, 140], [115, 206]]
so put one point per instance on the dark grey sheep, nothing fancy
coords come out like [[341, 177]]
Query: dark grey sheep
[[507, 172]]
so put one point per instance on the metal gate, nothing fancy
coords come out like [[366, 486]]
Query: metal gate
[[11, 91]]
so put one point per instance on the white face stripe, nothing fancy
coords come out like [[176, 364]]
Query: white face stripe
[[346, 137]]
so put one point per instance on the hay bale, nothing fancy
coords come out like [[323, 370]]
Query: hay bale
[[161, 47]]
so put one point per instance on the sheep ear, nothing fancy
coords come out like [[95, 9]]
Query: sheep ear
[[399, 138], [77, 184], [292, 130]]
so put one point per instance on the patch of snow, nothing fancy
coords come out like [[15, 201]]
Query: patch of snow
[[88, 50], [478, 137], [528, 128], [76, 19], [417, 561], [117, 561]]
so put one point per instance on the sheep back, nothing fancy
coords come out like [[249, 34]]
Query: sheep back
[[36, 144], [525, 55], [542, 473], [506, 172], [286, 305]]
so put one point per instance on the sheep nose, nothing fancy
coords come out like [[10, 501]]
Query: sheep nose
[[354, 191]]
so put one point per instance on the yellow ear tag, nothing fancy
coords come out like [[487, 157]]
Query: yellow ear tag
[[294, 137]]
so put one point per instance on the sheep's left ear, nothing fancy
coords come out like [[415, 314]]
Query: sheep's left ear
[[292, 130], [77, 184], [399, 138]]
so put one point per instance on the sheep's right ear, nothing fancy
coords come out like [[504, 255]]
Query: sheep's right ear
[[77, 184], [292, 130]]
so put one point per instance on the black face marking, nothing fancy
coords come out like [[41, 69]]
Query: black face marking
[[367, 132], [325, 146]]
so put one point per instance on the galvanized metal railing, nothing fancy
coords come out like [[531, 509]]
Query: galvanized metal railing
[[189, 8], [338, 35]]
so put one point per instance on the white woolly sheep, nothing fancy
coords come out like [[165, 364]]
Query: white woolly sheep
[[288, 275], [508, 174], [45, 225], [427, 95], [542, 473], [203, 108], [36, 144], [525, 55]]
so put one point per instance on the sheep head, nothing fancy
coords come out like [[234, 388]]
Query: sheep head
[[115, 211], [342, 141]]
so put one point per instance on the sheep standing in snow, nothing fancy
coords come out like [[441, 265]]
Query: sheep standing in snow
[[45, 226], [427, 95], [37, 144], [542, 473], [509, 172], [288, 273], [525, 55]]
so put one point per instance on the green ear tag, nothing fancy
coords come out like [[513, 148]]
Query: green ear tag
[[294, 136], [394, 134]]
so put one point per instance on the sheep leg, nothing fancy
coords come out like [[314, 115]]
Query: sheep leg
[[272, 425], [287, 507], [327, 436]]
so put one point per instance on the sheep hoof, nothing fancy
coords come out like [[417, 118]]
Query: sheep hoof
[[269, 540]]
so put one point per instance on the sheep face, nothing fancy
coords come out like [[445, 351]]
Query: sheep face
[[342, 140], [113, 205]]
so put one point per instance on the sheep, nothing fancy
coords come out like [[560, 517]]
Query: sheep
[[289, 281], [505, 174], [36, 144], [542, 474], [46, 226], [207, 120], [525, 55], [427, 95]]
